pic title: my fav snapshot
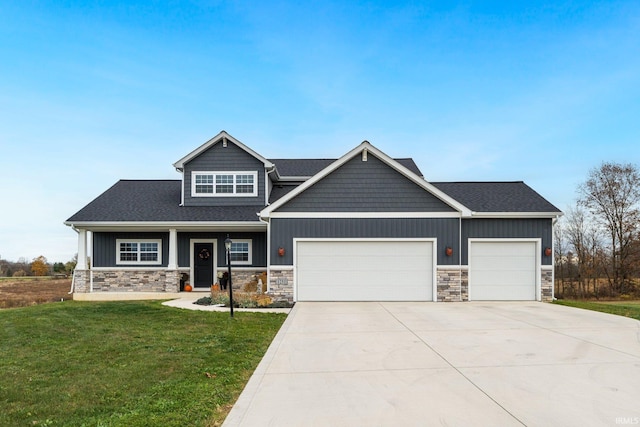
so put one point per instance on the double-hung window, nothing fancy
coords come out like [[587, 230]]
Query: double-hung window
[[240, 252], [147, 251], [224, 184]]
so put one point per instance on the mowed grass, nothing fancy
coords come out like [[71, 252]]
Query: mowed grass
[[622, 308], [126, 363]]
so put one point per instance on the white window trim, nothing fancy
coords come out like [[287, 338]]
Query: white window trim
[[138, 262], [214, 174], [250, 255]]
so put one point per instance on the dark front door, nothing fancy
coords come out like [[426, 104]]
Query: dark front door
[[203, 258]]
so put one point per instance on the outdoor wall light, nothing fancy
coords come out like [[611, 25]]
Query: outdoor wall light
[[281, 251], [448, 251], [547, 251]]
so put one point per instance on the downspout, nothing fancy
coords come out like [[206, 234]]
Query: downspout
[[73, 273], [268, 223], [460, 256], [553, 258], [181, 186], [266, 185]]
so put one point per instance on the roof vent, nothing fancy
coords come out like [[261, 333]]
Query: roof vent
[[224, 142], [364, 155]]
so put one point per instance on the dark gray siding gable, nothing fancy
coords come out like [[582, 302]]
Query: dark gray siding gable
[[507, 229], [228, 159], [445, 230], [371, 186]]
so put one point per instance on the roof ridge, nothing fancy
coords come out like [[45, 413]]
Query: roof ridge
[[148, 180], [477, 182]]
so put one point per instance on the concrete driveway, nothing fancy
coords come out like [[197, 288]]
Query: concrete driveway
[[453, 364]]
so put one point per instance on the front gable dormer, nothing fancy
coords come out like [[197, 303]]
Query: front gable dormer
[[367, 182], [224, 172]]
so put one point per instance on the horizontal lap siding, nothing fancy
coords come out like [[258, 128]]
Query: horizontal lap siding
[[104, 248], [229, 159], [283, 231], [507, 229], [370, 186]]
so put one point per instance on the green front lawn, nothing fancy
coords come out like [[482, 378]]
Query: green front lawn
[[621, 308], [126, 363]]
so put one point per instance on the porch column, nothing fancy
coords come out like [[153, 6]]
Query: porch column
[[173, 249], [82, 250]]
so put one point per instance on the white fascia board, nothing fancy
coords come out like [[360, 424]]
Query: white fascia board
[[213, 141], [366, 145], [365, 215], [517, 214], [165, 226]]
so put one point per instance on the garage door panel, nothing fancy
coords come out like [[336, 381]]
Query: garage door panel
[[502, 270], [509, 293], [501, 278], [364, 271], [497, 249], [504, 263]]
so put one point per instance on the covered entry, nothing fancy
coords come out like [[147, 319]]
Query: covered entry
[[364, 270], [505, 270]]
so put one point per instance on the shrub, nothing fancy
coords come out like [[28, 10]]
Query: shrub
[[245, 300]]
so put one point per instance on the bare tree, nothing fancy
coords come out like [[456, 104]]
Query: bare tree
[[612, 195], [583, 236], [559, 245]]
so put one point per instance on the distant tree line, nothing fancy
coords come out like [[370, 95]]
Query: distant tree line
[[39, 266], [597, 242]]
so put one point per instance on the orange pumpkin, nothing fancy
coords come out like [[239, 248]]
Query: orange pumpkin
[[188, 288]]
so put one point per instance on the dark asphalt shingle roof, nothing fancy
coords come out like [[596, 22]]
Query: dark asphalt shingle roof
[[496, 196], [310, 167], [158, 201], [155, 200]]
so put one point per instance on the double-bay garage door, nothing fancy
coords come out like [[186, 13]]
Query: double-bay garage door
[[364, 270], [503, 270]]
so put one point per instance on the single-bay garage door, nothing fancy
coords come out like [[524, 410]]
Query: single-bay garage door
[[503, 270], [364, 270]]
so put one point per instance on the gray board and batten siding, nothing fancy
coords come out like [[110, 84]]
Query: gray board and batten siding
[[258, 246], [445, 230], [370, 186], [284, 230], [228, 159], [105, 247], [501, 228]]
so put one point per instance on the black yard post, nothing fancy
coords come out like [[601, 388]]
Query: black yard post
[[227, 245]]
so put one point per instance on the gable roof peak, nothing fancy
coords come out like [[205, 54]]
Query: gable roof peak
[[367, 147], [221, 136]]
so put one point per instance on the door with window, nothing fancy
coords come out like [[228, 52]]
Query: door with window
[[203, 265]]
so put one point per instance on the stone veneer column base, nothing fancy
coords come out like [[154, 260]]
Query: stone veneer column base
[[449, 284], [546, 283], [81, 281], [127, 281], [281, 284]]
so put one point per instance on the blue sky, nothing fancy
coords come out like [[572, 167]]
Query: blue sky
[[96, 91]]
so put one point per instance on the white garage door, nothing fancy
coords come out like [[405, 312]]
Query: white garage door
[[502, 271], [364, 270]]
